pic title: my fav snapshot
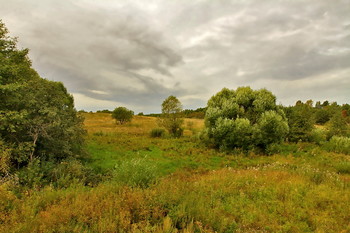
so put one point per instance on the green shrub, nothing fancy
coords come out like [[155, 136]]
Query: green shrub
[[137, 172], [157, 133], [67, 173], [245, 119], [99, 133], [343, 167], [32, 175], [339, 144], [122, 115], [318, 136], [338, 126]]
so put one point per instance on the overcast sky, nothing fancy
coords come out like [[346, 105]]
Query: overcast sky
[[137, 53]]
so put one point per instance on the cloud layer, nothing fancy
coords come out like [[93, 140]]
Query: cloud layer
[[136, 53]]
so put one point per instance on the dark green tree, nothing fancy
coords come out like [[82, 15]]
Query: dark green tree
[[322, 116], [338, 126], [301, 121], [122, 115], [37, 116]]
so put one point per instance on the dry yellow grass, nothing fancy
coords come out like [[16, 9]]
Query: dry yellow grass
[[140, 125]]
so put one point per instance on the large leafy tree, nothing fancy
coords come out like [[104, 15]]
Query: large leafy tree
[[37, 116], [244, 118]]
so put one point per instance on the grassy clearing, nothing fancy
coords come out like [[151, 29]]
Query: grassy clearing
[[178, 185]]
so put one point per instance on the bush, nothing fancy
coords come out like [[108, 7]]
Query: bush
[[67, 173], [343, 167], [157, 133], [122, 115], [338, 126], [301, 122], [135, 173], [318, 136], [339, 144], [245, 119], [230, 134]]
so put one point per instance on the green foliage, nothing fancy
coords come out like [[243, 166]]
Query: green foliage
[[228, 134], [245, 118], [5, 159], [136, 172], [318, 136], [104, 111], [64, 174], [339, 144], [37, 116], [343, 167], [322, 116], [198, 113], [157, 133], [272, 128], [338, 126], [201, 190], [301, 122], [171, 116], [122, 115]]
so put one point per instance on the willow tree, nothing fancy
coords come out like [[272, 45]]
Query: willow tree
[[244, 118]]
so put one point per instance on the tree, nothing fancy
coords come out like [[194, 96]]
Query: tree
[[338, 126], [122, 115], [244, 118], [301, 122], [171, 116], [37, 116], [322, 116]]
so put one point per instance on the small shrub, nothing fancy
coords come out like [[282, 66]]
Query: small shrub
[[274, 148], [99, 133], [31, 176], [318, 136], [67, 173], [339, 144], [343, 167], [157, 133], [136, 173]]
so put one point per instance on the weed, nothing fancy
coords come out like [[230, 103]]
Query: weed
[[135, 173], [157, 133], [339, 144]]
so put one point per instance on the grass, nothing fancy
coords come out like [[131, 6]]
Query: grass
[[179, 185]]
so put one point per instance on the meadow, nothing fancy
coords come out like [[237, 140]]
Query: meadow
[[128, 181]]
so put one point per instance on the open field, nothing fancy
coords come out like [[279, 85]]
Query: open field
[[179, 185]]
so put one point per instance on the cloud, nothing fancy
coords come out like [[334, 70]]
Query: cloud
[[137, 53]]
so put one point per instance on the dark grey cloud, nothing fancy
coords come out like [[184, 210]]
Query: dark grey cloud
[[136, 53]]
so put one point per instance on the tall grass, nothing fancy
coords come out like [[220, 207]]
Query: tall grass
[[177, 185], [339, 144], [137, 172], [266, 199]]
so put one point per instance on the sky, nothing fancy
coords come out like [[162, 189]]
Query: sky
[[111, 53]]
